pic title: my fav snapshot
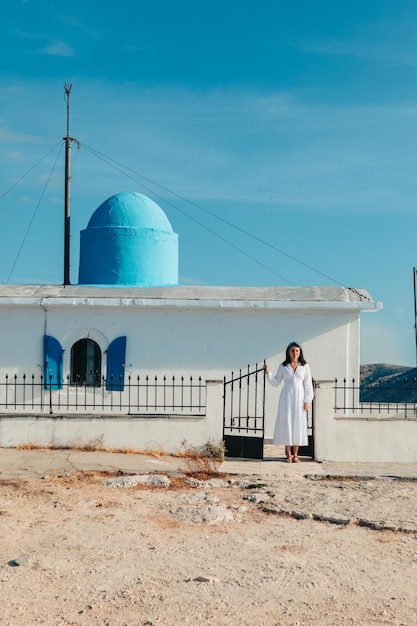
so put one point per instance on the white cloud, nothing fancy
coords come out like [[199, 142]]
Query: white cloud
[[232, 145], [58, 48]]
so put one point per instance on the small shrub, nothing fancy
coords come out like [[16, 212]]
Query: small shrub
[[215, 450], [204, 459]]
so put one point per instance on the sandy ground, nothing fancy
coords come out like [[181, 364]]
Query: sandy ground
[[77, 550]]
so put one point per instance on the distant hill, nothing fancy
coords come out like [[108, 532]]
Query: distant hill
[[386, 382], [384, 370]]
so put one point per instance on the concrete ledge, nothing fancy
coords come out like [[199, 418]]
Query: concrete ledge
[[115, 432]]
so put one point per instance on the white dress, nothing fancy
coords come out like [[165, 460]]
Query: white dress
[[291, 422]]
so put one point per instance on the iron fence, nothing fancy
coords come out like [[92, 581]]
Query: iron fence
[[140, 395], [244, 401], [386, 396]]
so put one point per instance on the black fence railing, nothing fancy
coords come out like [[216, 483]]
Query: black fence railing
[[244, 401], [381, 396], [141, 394]]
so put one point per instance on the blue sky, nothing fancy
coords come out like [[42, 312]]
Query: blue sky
[[295, 121]]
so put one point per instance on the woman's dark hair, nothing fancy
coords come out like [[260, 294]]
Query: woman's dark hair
[[301, 358]]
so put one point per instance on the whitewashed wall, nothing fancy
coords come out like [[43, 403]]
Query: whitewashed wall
[[362, 436], [116, 431], [188, 336]]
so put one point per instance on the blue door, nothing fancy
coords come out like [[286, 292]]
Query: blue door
[[116, 355], [52, 358]]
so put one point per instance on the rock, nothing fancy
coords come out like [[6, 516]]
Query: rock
[[205, 579], [257, 498], [158, 480], [213, 483], [196, 498], [211, 514], [152, 480], [22, 560]]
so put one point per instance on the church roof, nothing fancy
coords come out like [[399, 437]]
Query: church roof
[[289, 298], [130, 209], [128, 241]]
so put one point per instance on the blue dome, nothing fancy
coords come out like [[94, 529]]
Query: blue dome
[[130, 209], [128, 241]]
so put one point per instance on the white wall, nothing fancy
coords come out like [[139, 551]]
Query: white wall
[[383, 437], [207, 332], [21, 337], [211, 342], [340, 438], [116, 432]]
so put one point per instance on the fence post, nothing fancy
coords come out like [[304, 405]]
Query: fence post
[[324, 401], [214, 409]]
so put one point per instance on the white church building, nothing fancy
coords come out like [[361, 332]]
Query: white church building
[[130, 359]]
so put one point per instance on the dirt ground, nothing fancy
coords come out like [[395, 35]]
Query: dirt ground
[[75, 550]]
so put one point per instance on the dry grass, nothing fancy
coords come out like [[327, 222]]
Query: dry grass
[[203, 461], [30, 446], [92, 447]]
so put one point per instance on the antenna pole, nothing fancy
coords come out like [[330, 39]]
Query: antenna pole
[[415, 307], [67, 194]]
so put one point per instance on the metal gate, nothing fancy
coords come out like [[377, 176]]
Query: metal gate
[[308, 450], [244, 414]]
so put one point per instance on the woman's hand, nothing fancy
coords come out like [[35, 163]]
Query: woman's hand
[[306, 406], [266, 368]]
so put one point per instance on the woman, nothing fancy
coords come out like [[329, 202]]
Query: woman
[[291, 424]]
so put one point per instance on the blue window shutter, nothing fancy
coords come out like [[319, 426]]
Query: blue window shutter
[[116, 355], [52, 359]]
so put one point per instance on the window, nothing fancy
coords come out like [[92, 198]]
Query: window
[[86, 363]]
